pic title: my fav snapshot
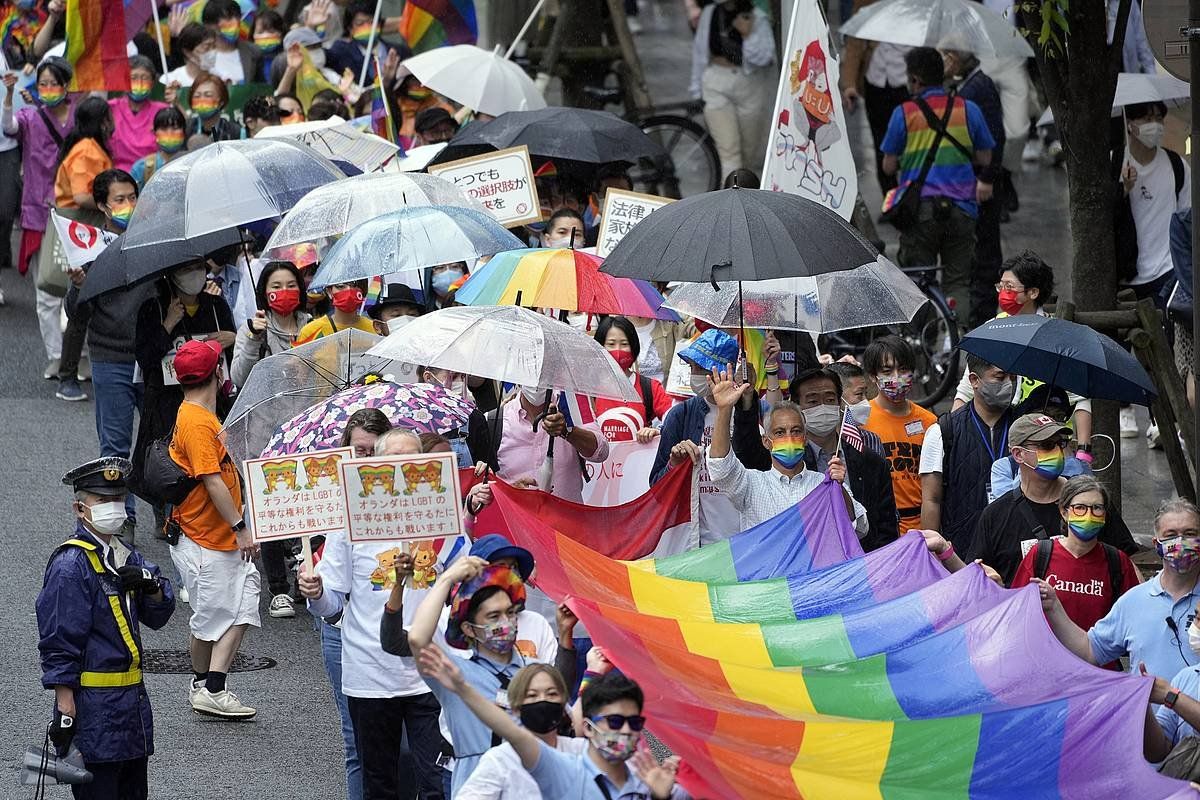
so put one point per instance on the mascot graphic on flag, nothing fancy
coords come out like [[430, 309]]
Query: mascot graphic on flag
[[811, 116]]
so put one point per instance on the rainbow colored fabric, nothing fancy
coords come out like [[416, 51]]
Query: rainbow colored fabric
[[877, 677], [96, 45], [426, 24], [18, 26]]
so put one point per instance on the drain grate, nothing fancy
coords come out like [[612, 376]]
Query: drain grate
[[179, 662]]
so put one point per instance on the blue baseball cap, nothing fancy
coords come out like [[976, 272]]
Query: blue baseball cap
[[494, 547], [714, 348]]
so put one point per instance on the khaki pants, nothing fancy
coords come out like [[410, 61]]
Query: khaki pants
[[737, 110]]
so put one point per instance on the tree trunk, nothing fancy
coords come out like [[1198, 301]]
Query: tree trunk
[[1080, 84]]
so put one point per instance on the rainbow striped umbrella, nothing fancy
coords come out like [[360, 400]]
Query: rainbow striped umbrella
[[562, 279]]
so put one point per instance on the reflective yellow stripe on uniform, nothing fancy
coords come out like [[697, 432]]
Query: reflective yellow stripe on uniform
[[133, 675]]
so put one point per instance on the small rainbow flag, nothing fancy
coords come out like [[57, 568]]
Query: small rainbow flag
[[837, 684], [96, 45], [427, 24], [18, 26], [382, 124]]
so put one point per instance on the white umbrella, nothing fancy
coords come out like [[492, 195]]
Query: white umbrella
[[512, 344], [415, 159], [330, 211], [484, 81], [335, 138], [1142, 87], [952, 24]]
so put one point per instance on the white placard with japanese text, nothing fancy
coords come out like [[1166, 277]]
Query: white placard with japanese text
[[295, 495], [399, 498], [622, 210], [502, 181]]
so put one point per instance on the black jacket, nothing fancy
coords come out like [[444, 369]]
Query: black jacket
[[868, 475]]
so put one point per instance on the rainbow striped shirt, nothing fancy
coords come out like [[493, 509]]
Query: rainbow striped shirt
[[910, 137]]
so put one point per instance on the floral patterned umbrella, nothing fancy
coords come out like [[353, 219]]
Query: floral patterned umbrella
[[419, 407]]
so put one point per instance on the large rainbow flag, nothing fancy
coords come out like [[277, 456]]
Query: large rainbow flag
[[96, 45], [877, 677], [426, 24]]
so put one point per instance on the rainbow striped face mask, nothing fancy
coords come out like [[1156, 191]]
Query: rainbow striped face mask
[[1049, 465], [169, 140], [362, 33], [52, 95], [204, 108], [229, 29], [268, 42], [1085, 526], [788, 451], [139, 90], [121, 214]]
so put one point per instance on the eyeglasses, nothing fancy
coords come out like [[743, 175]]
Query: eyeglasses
[[617, 721], [1009, 287], [1080, 509], [1047, 446]]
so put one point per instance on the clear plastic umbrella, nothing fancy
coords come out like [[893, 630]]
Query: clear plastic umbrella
[[413, 238], [285, 384], [225, 185], [1142, 87], [952, 24], [873, 294], [485, 81], [511, 344], [335, 138], [329, 211]]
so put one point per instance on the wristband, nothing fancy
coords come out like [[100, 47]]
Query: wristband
[[1172, 698], [945, 554], [588, 677], [1085, 456], [771, 371], [241, 526]]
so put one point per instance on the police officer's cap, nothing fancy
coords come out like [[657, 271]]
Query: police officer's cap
[[103, 476]]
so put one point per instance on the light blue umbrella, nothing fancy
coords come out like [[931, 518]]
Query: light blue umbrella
[[414, 237]]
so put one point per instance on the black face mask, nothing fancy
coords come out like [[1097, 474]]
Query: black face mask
[[541, 717]]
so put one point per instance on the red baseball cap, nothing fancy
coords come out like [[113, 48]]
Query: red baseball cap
[[195, 360]]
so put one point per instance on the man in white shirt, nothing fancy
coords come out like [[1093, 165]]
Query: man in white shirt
[[759, 496], [1157, 183], [386, 696]]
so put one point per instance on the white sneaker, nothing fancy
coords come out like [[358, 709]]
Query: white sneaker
[[50, 373], [1129, 426], [223, 704], [181, 594], [1055, 154], [281, 607], [1, 297], [635, 27], [1032, 151], [1153, 441], [194, 686]]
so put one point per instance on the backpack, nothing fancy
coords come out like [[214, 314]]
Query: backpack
[[1041, 561], [1124, 227], [647, 390]]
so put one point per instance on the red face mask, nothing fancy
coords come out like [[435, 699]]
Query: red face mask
[[284, 301], [347, 300], [624, 358], [1008, 302]]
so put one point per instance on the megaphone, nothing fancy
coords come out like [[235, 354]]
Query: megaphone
[[44, 767]]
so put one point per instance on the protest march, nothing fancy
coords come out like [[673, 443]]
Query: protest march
[[599, 399]]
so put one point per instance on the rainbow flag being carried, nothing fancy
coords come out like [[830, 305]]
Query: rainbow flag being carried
[[19, 26], [878, 677], [427, 24], [96, 45]]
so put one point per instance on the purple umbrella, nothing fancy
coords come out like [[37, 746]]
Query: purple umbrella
[[419, 407]]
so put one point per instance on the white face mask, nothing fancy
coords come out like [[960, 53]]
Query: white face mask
[[317, 55], [549, 242], [106, 518], [822, 420], [861, 411], [1194, 637], [533, 395], [1150, 133], [700, 387], [207, 60], [190, 282]]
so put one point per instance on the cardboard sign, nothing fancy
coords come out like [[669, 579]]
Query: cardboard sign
[[296, 495], [622, 210], [81, 242], [502, 181], [400, 498]]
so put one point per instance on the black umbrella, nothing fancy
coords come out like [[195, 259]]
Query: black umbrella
[[574, 134], [739, 235], [1061, 353], [116, 268]]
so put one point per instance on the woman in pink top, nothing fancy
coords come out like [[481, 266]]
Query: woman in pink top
[[133, 115]]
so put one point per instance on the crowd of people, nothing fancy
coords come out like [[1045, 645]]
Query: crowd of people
[[472, 685]]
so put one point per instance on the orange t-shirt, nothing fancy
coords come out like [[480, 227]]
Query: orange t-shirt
[[197, 448], [902, 438], [78, 171]]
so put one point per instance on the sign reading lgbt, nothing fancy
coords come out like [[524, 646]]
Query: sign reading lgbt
[[295, 495]]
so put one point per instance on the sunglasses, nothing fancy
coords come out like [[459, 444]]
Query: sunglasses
[[288, 112], [1047, 446], [617, 721]]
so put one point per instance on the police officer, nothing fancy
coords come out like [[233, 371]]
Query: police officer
[[96, 591]]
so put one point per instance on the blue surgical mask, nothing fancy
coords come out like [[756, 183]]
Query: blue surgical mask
[[442, 280]]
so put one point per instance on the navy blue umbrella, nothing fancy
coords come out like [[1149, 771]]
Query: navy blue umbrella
[[1061, 353]]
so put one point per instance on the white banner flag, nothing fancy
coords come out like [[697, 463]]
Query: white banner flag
[[808, 152], [81, 242]]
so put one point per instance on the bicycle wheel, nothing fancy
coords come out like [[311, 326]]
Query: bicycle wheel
[[691, 166], [933, 334]]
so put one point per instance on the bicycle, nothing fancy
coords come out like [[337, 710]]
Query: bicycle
[[691, 164], [932, 333]]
